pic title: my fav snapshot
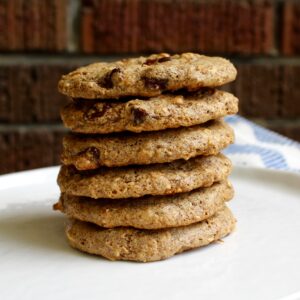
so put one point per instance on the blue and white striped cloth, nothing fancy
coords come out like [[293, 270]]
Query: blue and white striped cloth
[[256, 146]]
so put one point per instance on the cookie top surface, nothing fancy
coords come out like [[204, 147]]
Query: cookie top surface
[[92, 152], [136, 181], [149, 212], [124, 243], [147, 76], [156, 113]]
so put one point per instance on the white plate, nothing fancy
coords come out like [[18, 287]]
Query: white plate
[[260, 260]]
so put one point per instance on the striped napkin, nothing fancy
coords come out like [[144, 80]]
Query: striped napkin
[[256, 146]]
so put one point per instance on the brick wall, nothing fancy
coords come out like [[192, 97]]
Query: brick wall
[[42, 39]]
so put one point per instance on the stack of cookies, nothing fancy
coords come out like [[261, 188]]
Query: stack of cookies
[[143, 177]]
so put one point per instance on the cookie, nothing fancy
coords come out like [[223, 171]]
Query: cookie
[[136, 181], [87, 153], [147, 76], [156, 113], [124, 243], [149, 212]]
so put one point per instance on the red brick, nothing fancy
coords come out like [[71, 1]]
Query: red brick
[[268, 90], [33, 25], [29, 93], [61, 16], [219, 26], [290, 91], [32, 19], [14, 25], [3, 12], [25, 148], [291, 28], [86, 30], [257, 88]]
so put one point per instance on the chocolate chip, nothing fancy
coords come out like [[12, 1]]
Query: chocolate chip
[[164, 59], [106, 81], [97, 111], [155, 83], [139, 115], [152, 61], [92, 153]]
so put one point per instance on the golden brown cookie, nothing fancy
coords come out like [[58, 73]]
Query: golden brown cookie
[[142, 245], [156, 113], [149, 212], [136, 181], [147, 76], [92, 152]]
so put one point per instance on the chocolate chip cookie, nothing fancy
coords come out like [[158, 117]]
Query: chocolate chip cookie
[[149, 212], [156, 113], [90, 152], [147, 76], [124, 243], [136, 181]]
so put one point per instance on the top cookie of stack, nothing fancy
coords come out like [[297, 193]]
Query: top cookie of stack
[[147, 76], [147, 127]]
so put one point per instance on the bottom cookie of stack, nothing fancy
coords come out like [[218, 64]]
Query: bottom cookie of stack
[[148, 228], [126, 243]]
